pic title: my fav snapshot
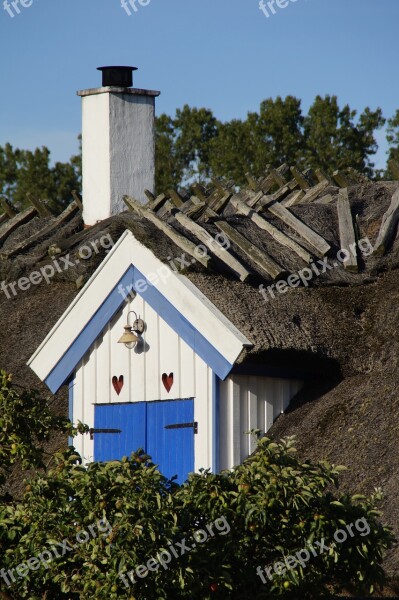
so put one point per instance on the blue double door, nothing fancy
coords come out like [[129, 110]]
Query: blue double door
[[164, 429]]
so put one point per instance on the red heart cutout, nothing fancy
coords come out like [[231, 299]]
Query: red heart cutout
[[118, 384], [167, 380]]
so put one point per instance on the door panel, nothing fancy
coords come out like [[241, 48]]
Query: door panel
[[130, 419], [171, 448], [147, 425]]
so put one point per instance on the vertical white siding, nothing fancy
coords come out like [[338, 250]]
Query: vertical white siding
[[163, 351], [249, 403]]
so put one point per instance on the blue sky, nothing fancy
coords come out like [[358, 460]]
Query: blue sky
[[221, 54]]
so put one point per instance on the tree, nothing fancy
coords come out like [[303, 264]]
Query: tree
[[168, 166], [26, 422], [334, 141], [183, 146], [194, 131], [195, 145], [231, 152], [393, 141], [25, 172], [128, 532]]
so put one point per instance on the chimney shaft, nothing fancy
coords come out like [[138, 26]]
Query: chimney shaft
[[118, 144]]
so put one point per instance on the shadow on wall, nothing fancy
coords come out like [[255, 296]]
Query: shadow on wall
[[319, 374]]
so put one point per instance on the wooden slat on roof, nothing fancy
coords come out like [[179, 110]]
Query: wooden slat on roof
[[260, 258], [347, 231], [20, 219], [308, 234], [64, 217], [262, 223], [41, 208], [388, 226], [176, 237], [205, 238], [8, 208]]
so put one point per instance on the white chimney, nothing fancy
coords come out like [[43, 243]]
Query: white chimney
[[118, 143]]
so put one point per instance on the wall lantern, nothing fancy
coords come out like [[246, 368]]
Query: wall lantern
[[129, 338]]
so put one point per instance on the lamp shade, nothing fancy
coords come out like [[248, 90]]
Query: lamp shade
[[128, 338]]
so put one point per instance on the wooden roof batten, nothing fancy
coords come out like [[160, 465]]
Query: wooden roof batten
[[259, 205], [268, 205]]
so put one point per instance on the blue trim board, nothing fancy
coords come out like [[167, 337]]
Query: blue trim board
[[216, 422], [183, 328], [86, 338], [70, 406]]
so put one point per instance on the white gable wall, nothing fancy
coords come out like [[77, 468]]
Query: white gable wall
[[249, 402], [165, 352]]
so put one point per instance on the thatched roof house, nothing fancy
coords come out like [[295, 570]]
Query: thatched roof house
[[304, 277]]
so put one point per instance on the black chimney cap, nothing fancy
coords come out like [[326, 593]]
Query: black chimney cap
[[117, 76]]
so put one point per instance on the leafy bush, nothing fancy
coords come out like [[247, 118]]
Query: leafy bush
[[261, 512]]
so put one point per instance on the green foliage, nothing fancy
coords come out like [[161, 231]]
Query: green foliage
[[272, 506], [335, 141], [23, 172], [195, 145], [183, 147], [393, 141], [26, 421]]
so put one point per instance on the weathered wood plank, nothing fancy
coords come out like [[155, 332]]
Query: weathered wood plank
[[65, 216], [157, 202], [219, 203], [224, 255], [313, 238], [274, 177], [40, 206], [388, 226], [200, 192], [7, 207], [253, 200], [278, 196], [279, 178], [176, 237], [175, 198], [194, 208], [263, 260], [294, 198], [300, 178], [3, 217], [314, 192], [262, 223], [78, 200], [149, 195], [322, 176], [346, 231], [341, 179], [253, 184], [9, 226]]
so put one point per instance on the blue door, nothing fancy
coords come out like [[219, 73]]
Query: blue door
[[164, 429]]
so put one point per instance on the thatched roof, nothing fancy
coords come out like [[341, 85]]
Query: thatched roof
[[342, 330]]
